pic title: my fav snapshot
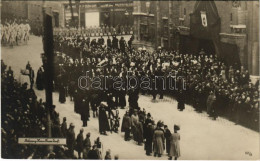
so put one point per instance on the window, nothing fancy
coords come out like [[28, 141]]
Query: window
[[231, 17], [184, 12]]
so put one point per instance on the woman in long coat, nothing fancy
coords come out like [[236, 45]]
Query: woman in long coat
[[175, 145], [158, 140], [79, 144], [62, 94], [39, 79], [103, 120], [139, 133]]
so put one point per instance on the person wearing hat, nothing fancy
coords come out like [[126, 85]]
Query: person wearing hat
[[103, 119], [40, 79], [108, 155], [71, 140], [64, 127], [86, 146], [139, 133], [126, 126], [158, 140], [181, 100], [94, 153], [84, 111], [167, 135], [122, 44], [79, 143], [134, 120], [62, 93], [148, 136], [174, 144], [109, 43]]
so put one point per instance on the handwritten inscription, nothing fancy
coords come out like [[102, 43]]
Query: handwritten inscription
[[42, 141]]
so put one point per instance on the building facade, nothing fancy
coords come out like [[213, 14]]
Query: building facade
[[110, 13], [168, 24]]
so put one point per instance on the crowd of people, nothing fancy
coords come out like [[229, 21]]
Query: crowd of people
[[22, 115], [14, 32], [25, 116], [210, 84], [201, 80], [91, 31]]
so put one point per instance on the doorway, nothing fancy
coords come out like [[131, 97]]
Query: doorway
[[207, 45], [92, 19]]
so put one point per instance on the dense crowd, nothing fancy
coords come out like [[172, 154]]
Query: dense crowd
[[25, 116], [201, 80], [22, 115], [14, 32], [210, 84], [91, 31]]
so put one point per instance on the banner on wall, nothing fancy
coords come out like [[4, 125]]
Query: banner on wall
[[203, 18]]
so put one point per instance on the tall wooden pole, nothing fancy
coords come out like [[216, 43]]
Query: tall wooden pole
[[48, 65]]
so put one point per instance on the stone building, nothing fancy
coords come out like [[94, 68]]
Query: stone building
[[168, 24], [110, 13]]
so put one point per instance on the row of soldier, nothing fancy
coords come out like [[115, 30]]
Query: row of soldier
[[96, 31], [77, 46], [14, 32]]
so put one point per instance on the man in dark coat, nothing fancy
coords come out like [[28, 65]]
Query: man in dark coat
[[71, 140], [79, 141], [126, 126], [101, 41], [87, 146], [167, 135], [62, 93], [77, 101], [64, 127], [94, 153], [31, 76], [181, 100], [122, 44], [122, 100], [84, 111], [39, 79], [139, 133], [115, 43], [103, 120], [149, 139], [109, 42]]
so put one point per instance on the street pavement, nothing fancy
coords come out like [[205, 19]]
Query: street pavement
[[201, 137]]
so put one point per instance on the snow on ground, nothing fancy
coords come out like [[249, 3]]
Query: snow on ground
[[201, 137]]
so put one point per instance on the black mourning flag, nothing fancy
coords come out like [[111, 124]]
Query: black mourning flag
[[205, 21]]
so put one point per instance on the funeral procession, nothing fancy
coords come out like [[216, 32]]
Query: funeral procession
[[130, 79]]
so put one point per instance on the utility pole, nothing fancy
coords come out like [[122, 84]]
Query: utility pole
[[48, 65]]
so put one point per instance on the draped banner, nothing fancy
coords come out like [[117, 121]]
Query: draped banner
[[205, 24], [204, 19]]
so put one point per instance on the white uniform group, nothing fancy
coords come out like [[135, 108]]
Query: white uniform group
[[14, 34]]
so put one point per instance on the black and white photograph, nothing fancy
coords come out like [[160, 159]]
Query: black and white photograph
[[130, 79]]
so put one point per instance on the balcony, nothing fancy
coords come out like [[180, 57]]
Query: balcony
[[238, 29]]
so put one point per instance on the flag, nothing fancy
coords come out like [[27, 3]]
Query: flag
[[203, 18]]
